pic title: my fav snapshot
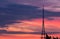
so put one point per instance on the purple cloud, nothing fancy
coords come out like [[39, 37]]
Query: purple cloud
[[48, 4]]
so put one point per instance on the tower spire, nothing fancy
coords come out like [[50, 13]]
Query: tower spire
[[43, 26]]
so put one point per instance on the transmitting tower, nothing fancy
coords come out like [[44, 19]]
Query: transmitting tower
[[43, 26]]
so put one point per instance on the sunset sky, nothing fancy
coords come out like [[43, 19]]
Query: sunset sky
[[26, 15]]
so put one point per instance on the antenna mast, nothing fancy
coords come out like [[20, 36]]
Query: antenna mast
[[43, 26]]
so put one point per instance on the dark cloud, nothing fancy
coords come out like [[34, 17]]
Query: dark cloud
[[17, 12], [3, 3], [51, 14], [18, 32]]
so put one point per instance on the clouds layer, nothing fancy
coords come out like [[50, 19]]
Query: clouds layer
[[13, 10], [22, 12], [48, 4]]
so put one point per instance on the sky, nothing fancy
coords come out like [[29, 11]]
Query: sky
[[26, 15]]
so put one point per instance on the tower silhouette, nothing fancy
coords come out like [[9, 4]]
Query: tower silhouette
[[43, 26]]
